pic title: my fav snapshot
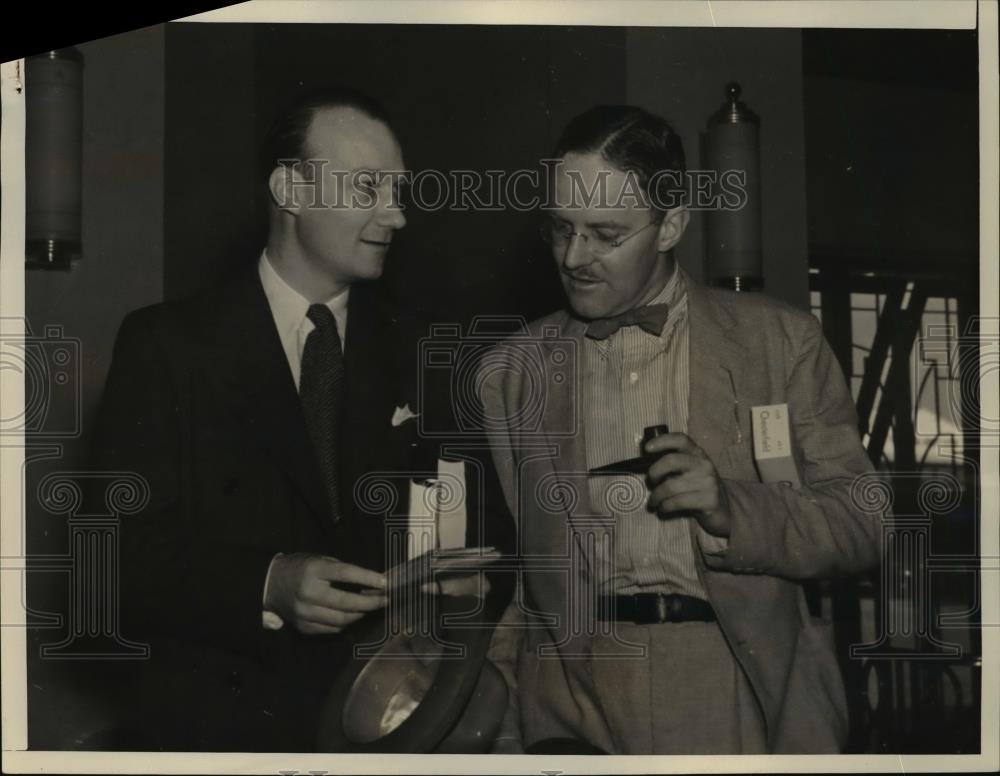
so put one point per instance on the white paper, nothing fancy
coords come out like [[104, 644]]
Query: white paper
[[423, 517], [452, 518]]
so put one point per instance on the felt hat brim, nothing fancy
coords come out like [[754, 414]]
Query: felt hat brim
[[418, 681]]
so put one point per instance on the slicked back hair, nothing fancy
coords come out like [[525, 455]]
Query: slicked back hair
[[633, 140], [286, 137]]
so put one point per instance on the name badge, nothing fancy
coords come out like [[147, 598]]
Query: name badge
[[772, 445]]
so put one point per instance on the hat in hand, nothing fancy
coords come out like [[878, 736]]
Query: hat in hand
[[419, 682]]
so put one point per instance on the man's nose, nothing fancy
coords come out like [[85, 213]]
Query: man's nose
[[392, 217], [391, 212], [575, 254]]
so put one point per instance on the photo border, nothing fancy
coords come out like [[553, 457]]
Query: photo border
[[939, 14]]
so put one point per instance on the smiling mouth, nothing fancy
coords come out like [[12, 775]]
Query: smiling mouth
[[582, 280]]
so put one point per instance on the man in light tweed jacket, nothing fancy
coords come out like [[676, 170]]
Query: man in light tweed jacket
[[661, 611]]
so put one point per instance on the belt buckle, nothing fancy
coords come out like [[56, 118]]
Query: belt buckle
[[662, 608], [654, 608]]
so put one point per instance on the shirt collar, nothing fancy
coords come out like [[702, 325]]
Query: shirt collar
[[289, 307], [674, 295], [674, 289]]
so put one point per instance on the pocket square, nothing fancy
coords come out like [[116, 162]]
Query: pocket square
[[403, 414]]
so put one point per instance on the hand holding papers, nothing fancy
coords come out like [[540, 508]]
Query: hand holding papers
[[439, 564]]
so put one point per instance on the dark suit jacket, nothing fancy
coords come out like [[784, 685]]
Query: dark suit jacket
[[200, 401]]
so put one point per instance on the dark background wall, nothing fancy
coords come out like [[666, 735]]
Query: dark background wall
[[504, 112], [893, 173]]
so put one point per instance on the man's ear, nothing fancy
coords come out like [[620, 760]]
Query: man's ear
[[281, 184], [672, 228]]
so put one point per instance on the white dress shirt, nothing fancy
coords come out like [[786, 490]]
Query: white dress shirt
[[289, 308]]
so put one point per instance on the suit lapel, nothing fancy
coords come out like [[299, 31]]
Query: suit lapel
[[564, 425], [563, 395], [366, 365], [716, 374], [368, 443], [246, 356]]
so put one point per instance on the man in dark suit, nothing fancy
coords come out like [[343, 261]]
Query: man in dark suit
[[253, 412]]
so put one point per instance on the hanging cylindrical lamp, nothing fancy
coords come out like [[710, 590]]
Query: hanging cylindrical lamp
[[53, 158], [732, 151]]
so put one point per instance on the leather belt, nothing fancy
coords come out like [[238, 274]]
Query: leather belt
[[651, 608]]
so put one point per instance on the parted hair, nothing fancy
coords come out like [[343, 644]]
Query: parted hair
[[633, 140]]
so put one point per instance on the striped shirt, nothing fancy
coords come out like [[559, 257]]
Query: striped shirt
[[634, 379]]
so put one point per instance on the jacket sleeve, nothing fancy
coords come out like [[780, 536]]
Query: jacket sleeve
[[173, 579], [820, 529]]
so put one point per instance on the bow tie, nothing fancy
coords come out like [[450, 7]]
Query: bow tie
[[648, 318]]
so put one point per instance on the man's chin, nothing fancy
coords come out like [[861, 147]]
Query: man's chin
[[588, 309], [587, 301], [373, 270]]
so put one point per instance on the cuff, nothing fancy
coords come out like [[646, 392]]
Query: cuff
[[713, 545], [270, 620]]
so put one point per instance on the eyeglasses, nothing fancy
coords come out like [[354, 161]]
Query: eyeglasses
[[600, 241]]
